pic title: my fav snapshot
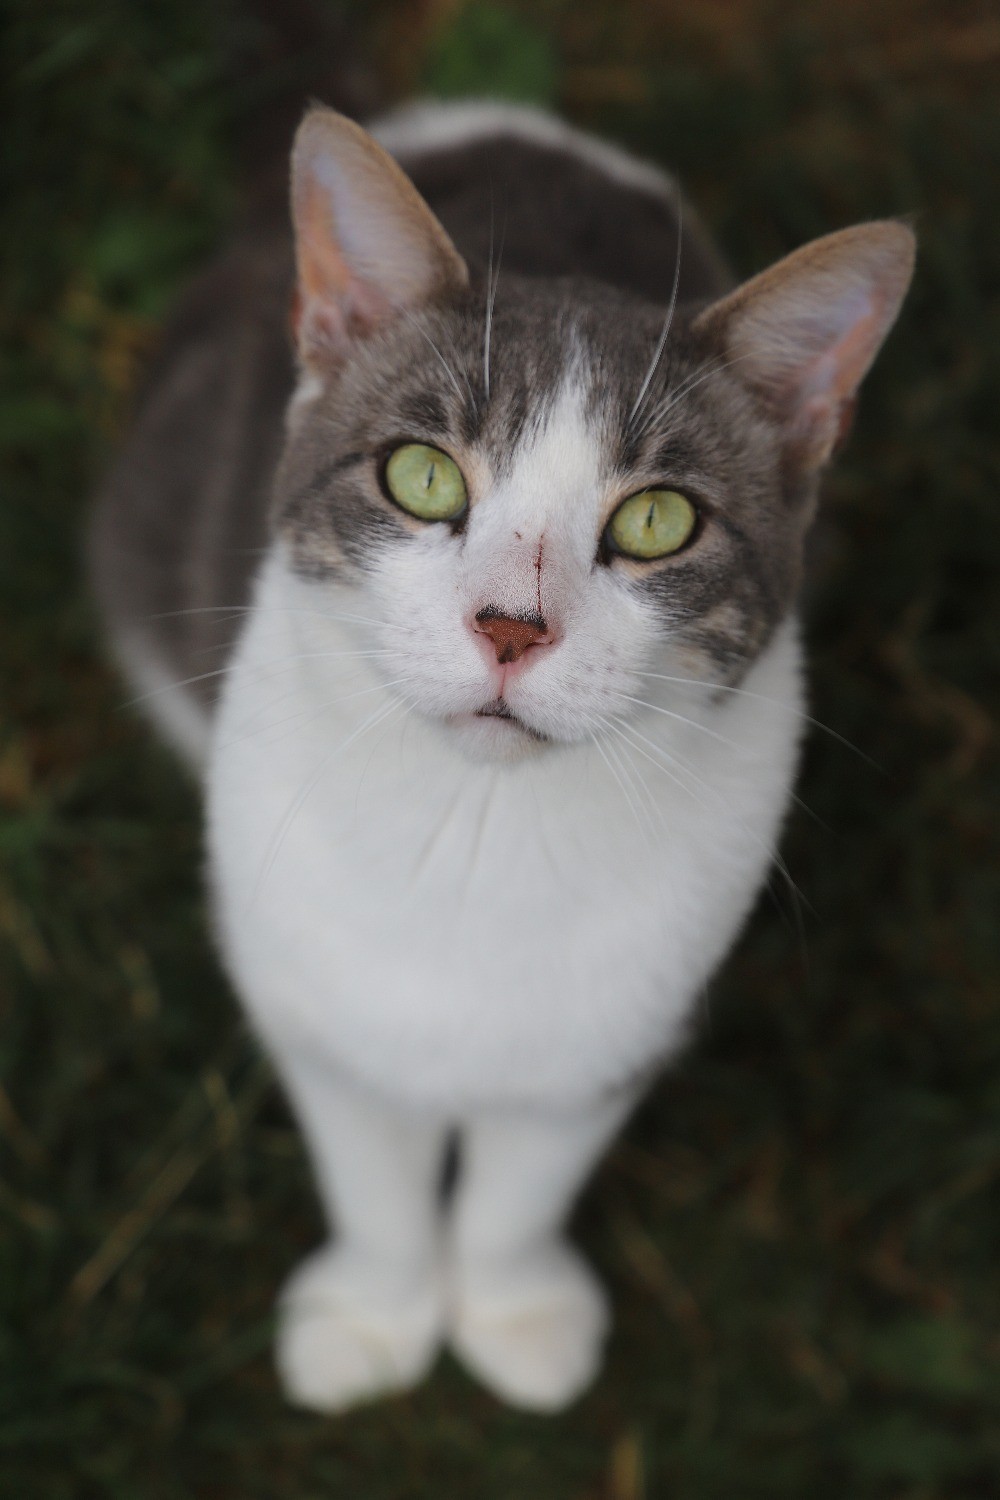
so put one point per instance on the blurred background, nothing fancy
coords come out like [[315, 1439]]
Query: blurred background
[[801, 1229]]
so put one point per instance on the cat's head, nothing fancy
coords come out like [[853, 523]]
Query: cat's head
[[538, 496]]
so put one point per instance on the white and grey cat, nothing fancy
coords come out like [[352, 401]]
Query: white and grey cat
[[498, 729]]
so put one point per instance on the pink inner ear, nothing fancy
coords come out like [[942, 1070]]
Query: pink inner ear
[[839, 370], [367, 245], [823, 396], [805, 331], [333, 303], [845, 422]]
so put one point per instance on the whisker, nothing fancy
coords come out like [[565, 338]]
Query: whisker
[[596, 737], [234, 610], [631, 771], [283, 698], [708, 366], [651, 800], [410, 318], [480, 832], [310, 715], [168, 687], [366, 651], [434, 839], [409, 704], [682, 718], [280, 661], [492, 282], [616, 724], [769, 849], [666, 323], [183, 682], [722, 687], [701, 374], [489, 306], [773, 856], [694, 724]]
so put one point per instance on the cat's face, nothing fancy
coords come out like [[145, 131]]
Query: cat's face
[[465, 456], [545, 462]]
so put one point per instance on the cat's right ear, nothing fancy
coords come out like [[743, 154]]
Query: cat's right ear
[[366, 244], [804, 333]]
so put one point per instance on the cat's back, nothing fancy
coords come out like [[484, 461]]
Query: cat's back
[[521, 189], [181, 524]]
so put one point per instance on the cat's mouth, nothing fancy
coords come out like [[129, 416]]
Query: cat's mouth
[[500, 709]]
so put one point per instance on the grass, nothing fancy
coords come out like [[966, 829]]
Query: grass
[[801, 1228]]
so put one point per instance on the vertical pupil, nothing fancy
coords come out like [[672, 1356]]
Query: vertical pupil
[[649, 517], [430, 476]]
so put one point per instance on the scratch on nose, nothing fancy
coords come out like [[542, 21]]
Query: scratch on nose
[[538, 572]]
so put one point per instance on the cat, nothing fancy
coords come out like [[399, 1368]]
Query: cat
[[477, 620]]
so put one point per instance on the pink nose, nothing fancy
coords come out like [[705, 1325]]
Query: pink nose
[[511, 638]]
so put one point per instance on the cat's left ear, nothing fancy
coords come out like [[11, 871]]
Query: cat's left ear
[[366, 244], [804, 333]]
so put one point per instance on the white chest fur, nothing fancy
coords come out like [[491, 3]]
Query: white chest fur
[[459, 934]]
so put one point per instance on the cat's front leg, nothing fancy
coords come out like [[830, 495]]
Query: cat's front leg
[[363, 1315], [527, 1315]]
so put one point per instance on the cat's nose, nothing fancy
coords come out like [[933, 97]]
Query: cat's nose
[[511, 637]]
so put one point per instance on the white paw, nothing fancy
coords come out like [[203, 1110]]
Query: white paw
[[347, 1335], [532, 1331]]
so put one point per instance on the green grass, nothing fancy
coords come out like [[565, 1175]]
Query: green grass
[[801, 1228]]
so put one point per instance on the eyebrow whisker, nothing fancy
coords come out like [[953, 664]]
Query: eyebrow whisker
[[667, 322]]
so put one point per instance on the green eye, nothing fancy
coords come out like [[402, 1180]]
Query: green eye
[[426, 482], [653, 523]]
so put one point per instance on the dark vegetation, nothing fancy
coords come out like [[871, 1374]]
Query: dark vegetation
[[802, 1228]]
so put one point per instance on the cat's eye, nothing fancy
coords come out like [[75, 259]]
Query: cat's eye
[[426, 482], [652, 524]]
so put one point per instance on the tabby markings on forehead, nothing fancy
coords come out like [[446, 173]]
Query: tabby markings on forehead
[[424, 413], [675, 458], [528, 370]]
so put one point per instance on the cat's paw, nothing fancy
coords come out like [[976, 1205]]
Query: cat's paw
[[345, 1337], [533, 1331]]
